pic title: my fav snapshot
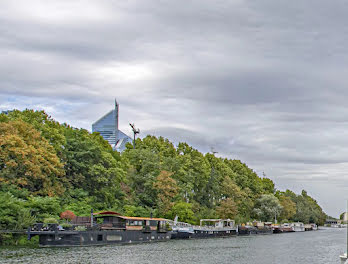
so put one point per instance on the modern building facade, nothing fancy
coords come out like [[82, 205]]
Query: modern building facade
[[107, 126]]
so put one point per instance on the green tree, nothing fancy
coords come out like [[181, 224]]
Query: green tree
[[142, 174], [184, 212], [167, 190], [91, 164], [227, 209], [266, 207], [288, 207]]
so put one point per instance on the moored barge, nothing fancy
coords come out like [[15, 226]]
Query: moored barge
[[215, 228], [181, 230], [102, 229], [255, 228]]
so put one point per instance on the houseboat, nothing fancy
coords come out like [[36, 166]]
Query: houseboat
[[180, 230], [308, 227], [298, 227], [286, 227], [214, 228], [277, 229], [255, 228], [101, 229], [314, 226]]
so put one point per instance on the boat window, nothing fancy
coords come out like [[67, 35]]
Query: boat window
[[162, 224], [113, 238], [100, 238]]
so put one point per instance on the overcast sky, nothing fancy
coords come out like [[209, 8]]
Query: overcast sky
[[261, 81]]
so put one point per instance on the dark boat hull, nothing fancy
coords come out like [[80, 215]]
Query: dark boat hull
[[201, 233], [251, 230], [181, 235], [95, 238], [277, 230]]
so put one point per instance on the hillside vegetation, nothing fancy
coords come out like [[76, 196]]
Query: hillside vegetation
[[47, 168]]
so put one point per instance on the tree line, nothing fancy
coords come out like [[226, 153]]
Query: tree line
[[47, 168]]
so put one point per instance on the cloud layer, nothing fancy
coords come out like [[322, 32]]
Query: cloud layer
[[261, 81]]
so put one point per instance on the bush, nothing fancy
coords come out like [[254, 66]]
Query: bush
[[50, 220], [66, 225], [80, 228], [67, 215]]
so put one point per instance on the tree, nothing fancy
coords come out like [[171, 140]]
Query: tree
[[43, 207], [193, 175], [183, 211], [230, 189], [288, 207], [67, 215], [91, 164], [227, 209], [28, 160], [342, 216], [142, 174], [266, 207], [167, 190], [47, 167], [50, 129], [268, 186]]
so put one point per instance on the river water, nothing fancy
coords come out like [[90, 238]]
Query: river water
[[323, 246]]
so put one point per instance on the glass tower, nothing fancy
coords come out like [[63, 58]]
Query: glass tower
[[107, 126]]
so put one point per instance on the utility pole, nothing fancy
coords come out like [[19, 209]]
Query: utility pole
[[135, 132], [211, 179], [275, 217]]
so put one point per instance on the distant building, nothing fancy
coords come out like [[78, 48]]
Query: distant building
[[6, 112], [331, 221], [107, 126], [345, 217]]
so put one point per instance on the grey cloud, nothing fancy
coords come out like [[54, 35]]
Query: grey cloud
[[261, 81]]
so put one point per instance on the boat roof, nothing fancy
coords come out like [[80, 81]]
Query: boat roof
[[215, 220], [106, 213], [111, 213]]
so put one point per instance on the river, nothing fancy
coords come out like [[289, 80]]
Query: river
[[323, 246]]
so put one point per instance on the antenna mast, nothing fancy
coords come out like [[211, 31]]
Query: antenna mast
[[135, 132]]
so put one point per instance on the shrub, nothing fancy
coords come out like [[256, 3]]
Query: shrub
[[67, 215]]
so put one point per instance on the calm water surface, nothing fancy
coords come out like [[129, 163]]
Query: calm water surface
[[323, 246]]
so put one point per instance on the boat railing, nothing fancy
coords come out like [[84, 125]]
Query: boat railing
[[74, 227], [212, 228], [162, 230]]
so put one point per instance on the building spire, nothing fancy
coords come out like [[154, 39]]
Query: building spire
[[116, 119]]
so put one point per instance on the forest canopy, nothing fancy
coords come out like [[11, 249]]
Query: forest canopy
[[47, 168]]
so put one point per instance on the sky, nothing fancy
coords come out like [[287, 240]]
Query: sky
[[261, 81]]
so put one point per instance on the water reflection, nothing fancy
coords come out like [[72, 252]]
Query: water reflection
[[322, 246]]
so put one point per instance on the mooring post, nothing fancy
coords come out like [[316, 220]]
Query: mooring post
[[91, 217], [346, 229], [28, 232]]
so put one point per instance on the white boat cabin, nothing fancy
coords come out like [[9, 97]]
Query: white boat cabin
[[217, 223]]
